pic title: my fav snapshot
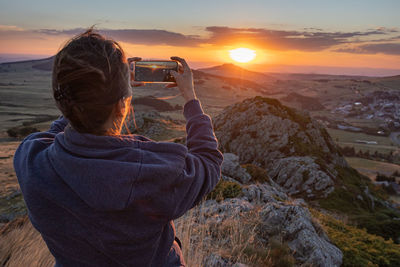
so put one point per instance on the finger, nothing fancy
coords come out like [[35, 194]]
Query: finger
[[180, 69], [182, 61], [132, 59], [137, 84], [174, 74], [171, 85]]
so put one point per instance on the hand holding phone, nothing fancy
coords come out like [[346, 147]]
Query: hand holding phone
[[184, 80], [168, 72], [154, 71]]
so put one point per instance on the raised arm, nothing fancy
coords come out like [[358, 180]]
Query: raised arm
[[203, 161]]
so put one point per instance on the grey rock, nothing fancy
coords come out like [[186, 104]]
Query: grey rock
[[302, 174], [278, 216], [263, 193], [370, 197], [216, 261], [231, 167], [294, 225], [263, 132], [228, 208]]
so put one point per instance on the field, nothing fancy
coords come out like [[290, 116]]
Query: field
[[346, 138], [25, 95], [371, 167]]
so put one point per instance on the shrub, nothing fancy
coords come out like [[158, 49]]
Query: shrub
[[280, 254], [225, 189], [382, 178], [257, 174]]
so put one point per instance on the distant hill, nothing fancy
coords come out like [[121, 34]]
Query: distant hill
[[45, 64], [32, 61], [231, 70], [230, 81], [313, 76], [391, 82]]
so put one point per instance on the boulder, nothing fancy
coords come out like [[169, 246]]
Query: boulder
[[232, 168]]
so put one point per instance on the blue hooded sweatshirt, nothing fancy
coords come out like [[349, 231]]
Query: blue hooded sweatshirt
[[111, 200]]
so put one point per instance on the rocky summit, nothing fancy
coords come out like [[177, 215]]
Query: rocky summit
[[296, 151], [269, 214]]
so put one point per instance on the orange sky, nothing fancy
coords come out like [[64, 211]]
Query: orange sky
[[342, 34], [19, 41]]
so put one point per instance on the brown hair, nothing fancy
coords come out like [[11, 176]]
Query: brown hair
[[90, 75]]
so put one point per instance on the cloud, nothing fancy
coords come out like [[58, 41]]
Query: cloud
[[314, 40], [137, 36], [307, 40], [10, 28], [382, 48], [371, 41]]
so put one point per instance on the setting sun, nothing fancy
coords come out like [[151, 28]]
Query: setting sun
[[242, 54]]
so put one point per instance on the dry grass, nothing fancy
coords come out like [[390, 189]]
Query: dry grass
[[22, 245], [235, 239]]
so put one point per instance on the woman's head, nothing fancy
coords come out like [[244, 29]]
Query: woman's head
[[91, 83]]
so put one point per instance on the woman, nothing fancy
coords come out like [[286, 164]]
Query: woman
[[100, 198]]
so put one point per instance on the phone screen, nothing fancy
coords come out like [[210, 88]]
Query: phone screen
[[155, 71]]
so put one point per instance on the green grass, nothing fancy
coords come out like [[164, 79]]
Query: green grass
[[377, 219], [359, 247]]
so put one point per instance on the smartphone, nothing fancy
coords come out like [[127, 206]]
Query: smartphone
[[155, 71]]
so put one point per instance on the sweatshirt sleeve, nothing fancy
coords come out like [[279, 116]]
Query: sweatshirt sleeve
[[58, 125], [48, 136], [203, 161]]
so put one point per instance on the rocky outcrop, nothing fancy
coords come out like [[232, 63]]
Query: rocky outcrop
[[307, 240], [274, 215], [232, 168], [303, 175], [296, 151], [277, 216]]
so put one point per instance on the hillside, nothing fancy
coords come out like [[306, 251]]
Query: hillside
[[26, 98], [299, 155], [285, 185], [233, 71]]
